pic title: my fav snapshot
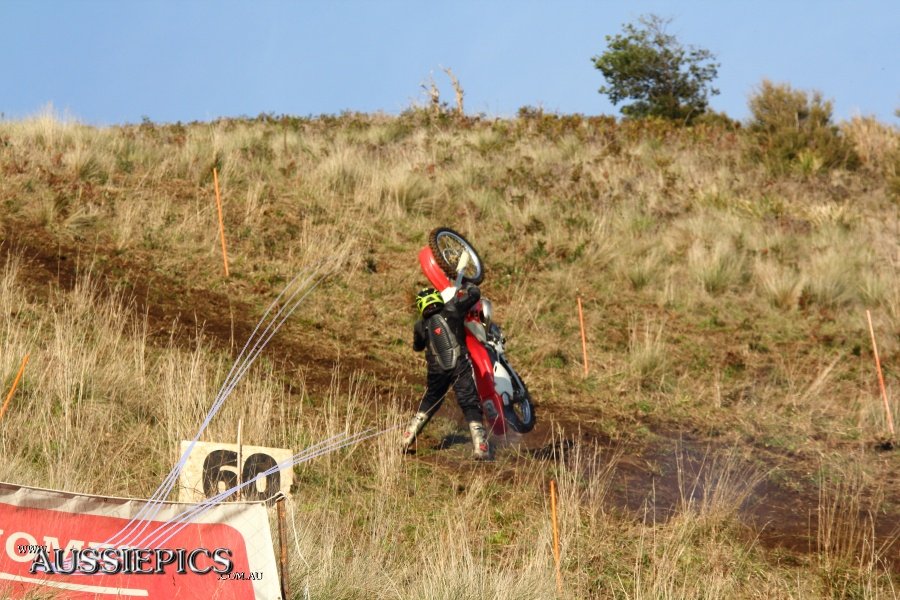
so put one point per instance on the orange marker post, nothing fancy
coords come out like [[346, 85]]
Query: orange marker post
[[583, 338], [555, 535], [887, 406], [12, 390], [221, 222]]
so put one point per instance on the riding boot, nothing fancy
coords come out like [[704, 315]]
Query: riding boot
[[481, 449], [412, 430]]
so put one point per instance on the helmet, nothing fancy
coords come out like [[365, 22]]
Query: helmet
[[428, 297]]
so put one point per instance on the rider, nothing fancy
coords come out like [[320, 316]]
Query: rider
[[441, 333]]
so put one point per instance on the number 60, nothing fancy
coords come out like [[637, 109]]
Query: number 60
[[220, 473]]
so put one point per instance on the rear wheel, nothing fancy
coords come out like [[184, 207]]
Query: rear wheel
[[519, 413], [448, 246]]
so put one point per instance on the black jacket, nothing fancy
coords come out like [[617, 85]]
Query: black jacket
[[454, 312]]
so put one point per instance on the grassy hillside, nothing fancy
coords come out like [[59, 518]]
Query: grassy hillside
[[729, 440]]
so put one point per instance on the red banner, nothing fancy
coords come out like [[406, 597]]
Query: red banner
[[33, 520]]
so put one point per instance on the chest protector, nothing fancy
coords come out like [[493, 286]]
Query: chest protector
[[442, 343]]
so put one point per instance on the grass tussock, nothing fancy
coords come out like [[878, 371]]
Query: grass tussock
[[646, 353]]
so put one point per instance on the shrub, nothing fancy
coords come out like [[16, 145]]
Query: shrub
[[792, 131]]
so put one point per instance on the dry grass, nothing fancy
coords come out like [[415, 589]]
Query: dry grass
[[851, 560], [703, 276], [781, 285], [877, 144], [647, 353]]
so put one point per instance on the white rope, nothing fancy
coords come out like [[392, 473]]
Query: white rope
[[151, 508], [187, 517]]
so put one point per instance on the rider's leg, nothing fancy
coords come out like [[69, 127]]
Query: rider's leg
[[481, 449], [467, 396], [437, 386]]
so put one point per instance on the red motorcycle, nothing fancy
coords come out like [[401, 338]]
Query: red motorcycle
[[448, 261]]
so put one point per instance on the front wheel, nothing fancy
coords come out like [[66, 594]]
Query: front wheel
[[448, 247], [519, 413]]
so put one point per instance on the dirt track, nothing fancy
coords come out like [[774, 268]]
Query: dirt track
[[647, 481], [172, 309]]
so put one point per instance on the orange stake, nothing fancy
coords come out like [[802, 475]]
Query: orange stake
[[221, 223], [583, 338], [887, 406], [555, 535], [12, 390]]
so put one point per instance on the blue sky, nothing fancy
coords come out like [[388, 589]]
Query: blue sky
[[107, 62]]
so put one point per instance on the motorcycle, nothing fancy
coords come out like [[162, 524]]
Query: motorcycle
[[504, 396]]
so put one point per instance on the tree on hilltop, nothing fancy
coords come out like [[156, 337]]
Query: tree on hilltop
[[651, 67]]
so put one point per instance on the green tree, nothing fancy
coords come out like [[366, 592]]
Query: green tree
[[663, 77]]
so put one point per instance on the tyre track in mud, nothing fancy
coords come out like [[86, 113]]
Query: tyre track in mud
[[649, 478], [652, 480]]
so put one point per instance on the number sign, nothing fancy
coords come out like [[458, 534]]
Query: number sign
[[213, 468]]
